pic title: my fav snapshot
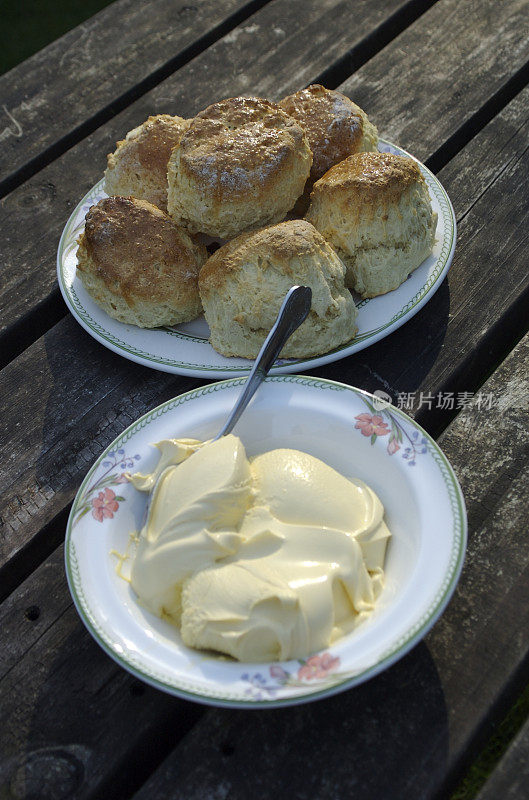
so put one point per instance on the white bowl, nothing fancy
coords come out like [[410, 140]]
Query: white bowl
[[425, 512]]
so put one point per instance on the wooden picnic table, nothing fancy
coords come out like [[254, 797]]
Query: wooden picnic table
[[445, 80]]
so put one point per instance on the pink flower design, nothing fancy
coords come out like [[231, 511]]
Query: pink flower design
[[318, 666], [393, 446], [279, 674], [369, 425], [123, 478], [104, 505]]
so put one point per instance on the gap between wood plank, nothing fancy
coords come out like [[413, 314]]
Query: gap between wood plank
[[40, 319], [38, 550], [352, 61], [121, 102], [495, 762], [30, 327], [145, 758], [344, 67], [511, 691], [472, 126], [499, 341], [510, 777]]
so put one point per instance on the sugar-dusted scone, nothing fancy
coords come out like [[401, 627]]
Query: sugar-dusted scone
[[138, 265], [138, 167], [336, 127], [376, 212], [243, 284], [241, 164]]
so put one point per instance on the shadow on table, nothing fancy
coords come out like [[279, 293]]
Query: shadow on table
[[386, 739], [402, 361], [378, 739], [93, 395], [106, 392]]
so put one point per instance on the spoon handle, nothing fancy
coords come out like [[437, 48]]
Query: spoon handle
[[293, 312]]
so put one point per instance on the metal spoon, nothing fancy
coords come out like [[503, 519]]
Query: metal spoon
[[294, 310]]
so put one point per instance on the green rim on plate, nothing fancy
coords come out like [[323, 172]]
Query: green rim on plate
[[156, 360]]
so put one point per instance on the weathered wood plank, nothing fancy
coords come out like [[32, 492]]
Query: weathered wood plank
[[102, 62], [424, 717], [300, 20], [51, 450], [81, 396], [281, 48], [481, 309], [475, 48], [510, 779], [73, 723]]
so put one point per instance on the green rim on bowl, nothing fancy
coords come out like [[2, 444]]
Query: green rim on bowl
[[187, 689]]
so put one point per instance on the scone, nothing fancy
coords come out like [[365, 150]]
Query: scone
[[138, 265], [138, 167], [335, 126], [375, 210], [241, 164], [243, 284]]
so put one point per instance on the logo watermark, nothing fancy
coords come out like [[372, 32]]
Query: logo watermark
[[445, 401]]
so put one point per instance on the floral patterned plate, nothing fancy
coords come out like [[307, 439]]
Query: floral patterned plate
[[344, 427], [185, 349]]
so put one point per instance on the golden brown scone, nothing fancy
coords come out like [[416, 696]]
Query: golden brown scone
[[243, 284], [138, 167], [375, 210], [336, 128], [138, 265], [241, 164]]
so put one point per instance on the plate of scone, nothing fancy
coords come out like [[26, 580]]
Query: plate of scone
[[180, 257]]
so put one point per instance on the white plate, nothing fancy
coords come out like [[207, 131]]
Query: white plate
[[185, 349], [424, 510]]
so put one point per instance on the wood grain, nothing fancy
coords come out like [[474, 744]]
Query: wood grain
[[52, 96], [81, 396], [425, 717], [450, 58], [282, 47], [510, 779], [422, 719], [74, 724]]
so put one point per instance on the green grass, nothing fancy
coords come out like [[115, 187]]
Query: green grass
[[494, 749], [27, 27]]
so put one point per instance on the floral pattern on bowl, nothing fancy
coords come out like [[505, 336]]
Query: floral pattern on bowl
[[426, 558], [315, 669], [98, 497], [373, 425]]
